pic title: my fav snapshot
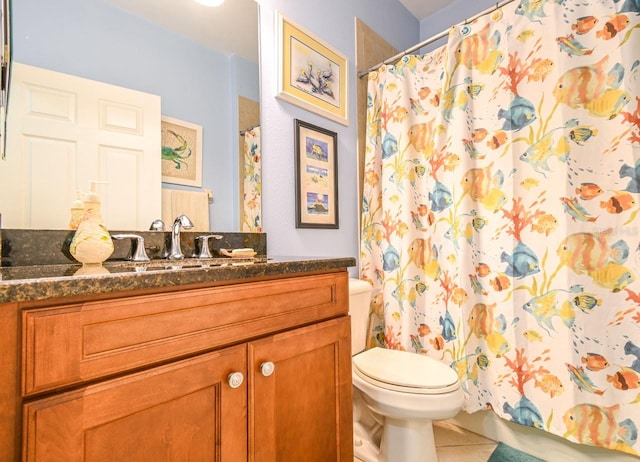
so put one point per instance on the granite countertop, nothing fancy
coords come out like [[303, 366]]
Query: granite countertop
[[39, 282]]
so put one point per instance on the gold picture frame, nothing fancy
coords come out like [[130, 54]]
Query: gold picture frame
[[311, 74], [181, 152], [316, 163]]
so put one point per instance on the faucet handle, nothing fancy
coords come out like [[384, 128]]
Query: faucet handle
[[136, 251], [203, 244]]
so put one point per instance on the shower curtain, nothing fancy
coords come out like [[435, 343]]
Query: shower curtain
[[500, 214], [252, 182]]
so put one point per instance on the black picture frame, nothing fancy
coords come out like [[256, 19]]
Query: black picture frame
[[316, 172]]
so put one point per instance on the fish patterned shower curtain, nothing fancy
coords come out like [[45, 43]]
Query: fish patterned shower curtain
[[252, 182], [500, 225]]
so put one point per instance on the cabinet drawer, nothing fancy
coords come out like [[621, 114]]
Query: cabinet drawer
[[69, 344]]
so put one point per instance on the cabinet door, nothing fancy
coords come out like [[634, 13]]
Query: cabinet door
[[303, 409], [185, 411]]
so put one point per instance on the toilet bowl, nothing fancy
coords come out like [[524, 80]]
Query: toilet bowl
[[397, 394]]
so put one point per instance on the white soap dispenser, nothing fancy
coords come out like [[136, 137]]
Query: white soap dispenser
[[91, 245]]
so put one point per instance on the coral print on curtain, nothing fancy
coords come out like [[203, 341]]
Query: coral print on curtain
[[252, 183], [500, 224]]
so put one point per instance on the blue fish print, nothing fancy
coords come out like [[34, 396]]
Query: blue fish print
[[524, 413], [389, 146], [634, 174], [630, 6], [448, 328], [632, 349], [391, 259], [523, 262], [440, 197], [521, 112], [532, 9], [615, 75]]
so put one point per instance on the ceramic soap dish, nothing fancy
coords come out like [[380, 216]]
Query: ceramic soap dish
[[239, 253]]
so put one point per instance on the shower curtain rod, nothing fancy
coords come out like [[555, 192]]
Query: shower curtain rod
[[436, 37]]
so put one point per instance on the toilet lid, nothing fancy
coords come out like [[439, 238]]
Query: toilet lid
[[397, 368]]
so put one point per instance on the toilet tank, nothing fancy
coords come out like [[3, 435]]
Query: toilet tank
[[359, 301]]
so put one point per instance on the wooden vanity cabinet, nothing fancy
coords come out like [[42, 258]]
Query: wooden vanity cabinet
[[270, 380]]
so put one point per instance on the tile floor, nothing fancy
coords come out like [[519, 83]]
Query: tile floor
[[454, 444]]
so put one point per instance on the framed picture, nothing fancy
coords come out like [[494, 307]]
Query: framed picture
[[316, 161], [181, 152], [311, 75]]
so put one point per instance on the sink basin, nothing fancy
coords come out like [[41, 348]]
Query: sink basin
[[187, 263]]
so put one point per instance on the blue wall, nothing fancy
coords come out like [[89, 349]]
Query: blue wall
[[333, 22], [196, 84]]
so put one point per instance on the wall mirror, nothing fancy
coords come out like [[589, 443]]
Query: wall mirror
[[201, 61]]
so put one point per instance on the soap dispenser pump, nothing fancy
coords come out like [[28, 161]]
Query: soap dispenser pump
[[77, 211], [91, 245]]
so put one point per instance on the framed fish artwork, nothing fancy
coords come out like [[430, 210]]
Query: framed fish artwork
[[311, 75], [181, 152], [316, 163]]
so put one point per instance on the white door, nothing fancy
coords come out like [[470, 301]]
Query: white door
[[63, 131]]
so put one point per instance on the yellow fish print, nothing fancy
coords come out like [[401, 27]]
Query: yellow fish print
[[609, 104], [529, 183], [613, 276], [533, 336]]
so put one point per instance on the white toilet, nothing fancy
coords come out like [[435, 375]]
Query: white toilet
[[396, 394]]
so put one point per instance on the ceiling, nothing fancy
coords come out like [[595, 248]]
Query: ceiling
[[231, 28], [423, 8]]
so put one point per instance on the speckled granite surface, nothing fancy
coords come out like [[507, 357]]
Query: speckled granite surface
[[49, 281], [36, 266]]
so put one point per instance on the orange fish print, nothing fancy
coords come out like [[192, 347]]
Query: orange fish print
[[595, 362], [437, 342], [586, 252], [424, 256], [478, 182], [497, 140], [459, 296], [483, 269], [478, 50], [551, 384], [479, 134], [546, 224], [615, 24], [540, 71], [619, 203], [588, 191], [581, 85], [424, 92], [481, 319], [423, 210], [598, 426], [500, 282], [625, 379], [423, 330], [451, 162], [584, 24], [421, 138]]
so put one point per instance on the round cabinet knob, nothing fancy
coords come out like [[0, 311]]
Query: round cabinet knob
[[267, 368], [235, 379]]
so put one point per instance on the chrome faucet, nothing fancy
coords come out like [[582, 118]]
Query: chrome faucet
[[182, 221]]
